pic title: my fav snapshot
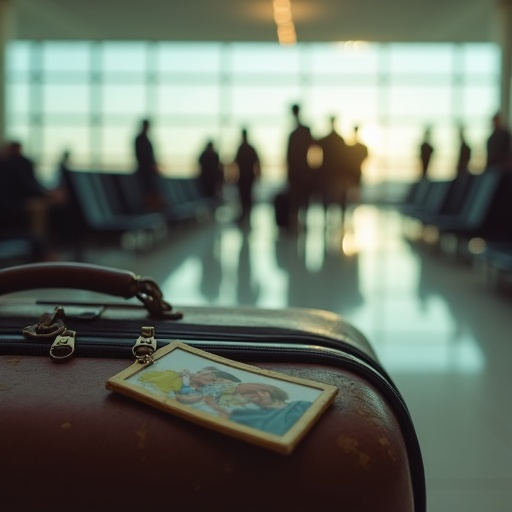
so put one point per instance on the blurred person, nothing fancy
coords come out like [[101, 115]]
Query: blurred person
[[63, 165], [211, 174], [464, 153], [498, 143], [358, 153], [147, 171], [426, 150], [333, 173], [24, 199], [300, 141], [248, 163], [26, 205]]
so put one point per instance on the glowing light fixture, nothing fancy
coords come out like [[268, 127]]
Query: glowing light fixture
[[284, 21], [353, 47]]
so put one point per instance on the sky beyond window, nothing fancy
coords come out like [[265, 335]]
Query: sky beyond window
[[89, 97]]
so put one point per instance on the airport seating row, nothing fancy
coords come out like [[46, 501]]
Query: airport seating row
[[468, 217], [111, 206], [109, 209], [18, 247], [469, 206]]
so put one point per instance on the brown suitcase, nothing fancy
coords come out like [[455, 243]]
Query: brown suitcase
[[70, 444]]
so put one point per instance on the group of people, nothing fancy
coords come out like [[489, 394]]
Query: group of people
[[248, 171], [336, 177], [211, 171], [28, 207], [498, 148]]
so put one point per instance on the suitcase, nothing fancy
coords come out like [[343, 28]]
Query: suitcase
[[70, 444], [282, 209]]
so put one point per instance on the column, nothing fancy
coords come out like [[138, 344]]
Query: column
[[502, 34], [6, 33]]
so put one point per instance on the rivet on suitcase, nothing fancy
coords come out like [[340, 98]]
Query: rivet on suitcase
[[68, 443]]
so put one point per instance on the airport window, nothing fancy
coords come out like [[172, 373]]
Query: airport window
[[266, 58], [418, 59], [88, 97], [66, 59], [195, 99], [427, 104], [126, 102], [130, 58], [189, 58], [71, 100], [482, 60], [248, 103], [350, 104], [344, 59]]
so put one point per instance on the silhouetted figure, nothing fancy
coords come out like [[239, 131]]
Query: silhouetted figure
[[65, 159], [248, 164], [464, 153], [498, 144], [24, 199], [299, 172], [63, 165], [211, 172], [358, 153], [62, 216], [426, 150], [25, 204], [148, 173], [334, 169]]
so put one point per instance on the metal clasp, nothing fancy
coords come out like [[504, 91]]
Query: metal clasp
[[48, 326], [64, 346], [151, 295], [145, 346]]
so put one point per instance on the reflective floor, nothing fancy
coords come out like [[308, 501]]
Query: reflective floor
[[441, 332]]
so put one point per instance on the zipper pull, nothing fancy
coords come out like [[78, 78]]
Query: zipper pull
[[63, 346], [145, 346], [48, 326]]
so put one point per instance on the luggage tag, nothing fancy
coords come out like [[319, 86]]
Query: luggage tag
[[262, 407]]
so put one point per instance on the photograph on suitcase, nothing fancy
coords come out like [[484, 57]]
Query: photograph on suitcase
[[262, 407], [61, 423]]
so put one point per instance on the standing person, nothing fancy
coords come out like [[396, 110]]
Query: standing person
[[211, 172], [147, 168], [426, 150], [498, 143], [334, 168], [299, 172], [464, 153], [358, 153], [248, 164]]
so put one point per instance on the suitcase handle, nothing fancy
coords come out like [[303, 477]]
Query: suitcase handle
[[84, 276]]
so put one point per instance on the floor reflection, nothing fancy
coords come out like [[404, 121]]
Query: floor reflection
[[412, 308]]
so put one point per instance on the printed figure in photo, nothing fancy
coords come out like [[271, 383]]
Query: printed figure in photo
[[268, 408], [199, 389]]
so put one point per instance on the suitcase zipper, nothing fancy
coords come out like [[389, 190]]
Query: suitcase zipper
[[97, 344]]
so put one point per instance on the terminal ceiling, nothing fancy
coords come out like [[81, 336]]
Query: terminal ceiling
[[252, 20]]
